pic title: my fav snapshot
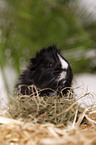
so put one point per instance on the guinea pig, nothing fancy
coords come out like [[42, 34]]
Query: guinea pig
[[48, 71]]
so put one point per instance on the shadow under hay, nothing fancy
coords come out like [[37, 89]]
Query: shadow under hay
[[38, 109]]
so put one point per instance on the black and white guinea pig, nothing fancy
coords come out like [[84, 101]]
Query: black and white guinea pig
[[48, 71]]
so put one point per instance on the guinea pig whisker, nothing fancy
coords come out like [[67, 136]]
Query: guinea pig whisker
[[51, 82]]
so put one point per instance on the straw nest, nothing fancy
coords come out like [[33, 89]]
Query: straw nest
[[34, 120]]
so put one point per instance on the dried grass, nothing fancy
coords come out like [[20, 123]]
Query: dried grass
[[38, 109], [21, 133], [34, 120]]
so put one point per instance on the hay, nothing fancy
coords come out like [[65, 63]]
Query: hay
[[34, 120], [38, 109], [20, 133]]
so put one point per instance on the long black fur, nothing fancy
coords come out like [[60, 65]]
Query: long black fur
[[43, 71]]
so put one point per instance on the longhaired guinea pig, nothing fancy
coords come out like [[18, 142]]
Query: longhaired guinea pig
[[48, 71]]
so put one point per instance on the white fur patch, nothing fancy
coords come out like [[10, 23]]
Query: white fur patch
[[62, 76], [63, 62], [64, 65]]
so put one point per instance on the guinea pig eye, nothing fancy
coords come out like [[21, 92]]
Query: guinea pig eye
[[49, 65]]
